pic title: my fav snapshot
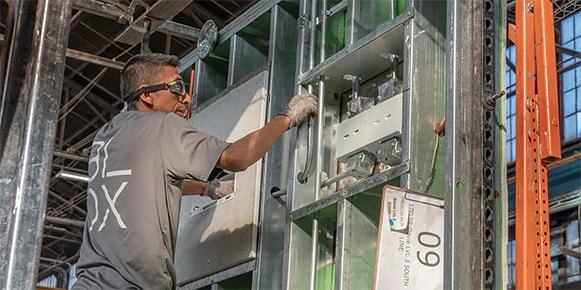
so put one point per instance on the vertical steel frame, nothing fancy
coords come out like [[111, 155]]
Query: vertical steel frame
[[470, 207], [489, 207], [282, 56], [537, 138], [33, 62]]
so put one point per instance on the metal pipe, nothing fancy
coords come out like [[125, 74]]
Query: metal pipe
[[95, 59], [303, 175], [334, 179], [70, 156], [72, 176], [46, 272], [392, 9], [61, 239], [319, 147], [63, 123], [74, 207], [315, 229], [350, 33], [64, 221], [321, 110], [32, 72]]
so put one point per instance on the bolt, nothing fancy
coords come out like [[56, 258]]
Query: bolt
[[491, 100]]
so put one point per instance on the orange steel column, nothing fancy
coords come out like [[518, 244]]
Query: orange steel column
[[537, 138], [547, 92]]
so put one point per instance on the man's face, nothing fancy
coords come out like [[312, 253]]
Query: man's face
[[165, 100]]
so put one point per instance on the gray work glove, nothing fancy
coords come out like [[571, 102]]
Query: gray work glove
[[216, 189], [300, 107]]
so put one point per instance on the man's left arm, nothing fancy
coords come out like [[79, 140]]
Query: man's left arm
[[213, 189]]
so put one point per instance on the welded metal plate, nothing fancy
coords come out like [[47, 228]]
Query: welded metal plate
[[214, 236], [367, 129], [362, 58]]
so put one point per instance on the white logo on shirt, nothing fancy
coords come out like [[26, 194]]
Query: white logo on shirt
[[106, 174]]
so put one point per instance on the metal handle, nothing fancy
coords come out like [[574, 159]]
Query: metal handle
[[303, 175]]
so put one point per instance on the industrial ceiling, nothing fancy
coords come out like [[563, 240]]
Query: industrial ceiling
[[103, 35]]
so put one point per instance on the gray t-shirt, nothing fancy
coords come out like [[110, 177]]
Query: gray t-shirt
[[136, 168]]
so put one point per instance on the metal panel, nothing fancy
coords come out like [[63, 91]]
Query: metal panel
[[229, 30], [424, 76], [356, 242], [282, 57], [244, 58], [367, 15], [32, 70], [361, 59], [299, 247], [368, 128], [212, 73], [224, 234], [358, 187]]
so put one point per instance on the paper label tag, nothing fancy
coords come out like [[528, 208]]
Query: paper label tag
[[410, 246]]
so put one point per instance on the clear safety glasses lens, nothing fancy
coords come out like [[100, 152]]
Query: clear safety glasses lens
[[177, 87]]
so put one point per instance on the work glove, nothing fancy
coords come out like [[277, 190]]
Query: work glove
[[300, 107], [216, 189]]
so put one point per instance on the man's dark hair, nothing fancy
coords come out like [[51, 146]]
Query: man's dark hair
[[144, 68]]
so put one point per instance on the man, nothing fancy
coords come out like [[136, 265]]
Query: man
[[138, 162]]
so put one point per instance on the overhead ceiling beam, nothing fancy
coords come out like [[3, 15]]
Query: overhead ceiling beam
[[87, 57], [100, 9], [158, 12], [91, 58], [179, 30], [68, 202]]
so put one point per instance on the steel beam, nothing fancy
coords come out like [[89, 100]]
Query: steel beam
[[88, 57], [157, 13], [100, 9], [64, 221], [110, 12], [463, 265], [32, 65], [179, 30], [91, 58], [537, 140]]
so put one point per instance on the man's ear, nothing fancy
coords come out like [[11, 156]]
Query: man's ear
[[146, 98]]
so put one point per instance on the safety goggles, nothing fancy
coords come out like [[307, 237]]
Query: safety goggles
[[176, 87]]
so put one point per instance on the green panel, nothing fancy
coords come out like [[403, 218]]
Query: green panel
[[335, 38], [214, 74], [400, 6]]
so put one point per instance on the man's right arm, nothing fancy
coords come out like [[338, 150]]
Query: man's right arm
[[246, 151]]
